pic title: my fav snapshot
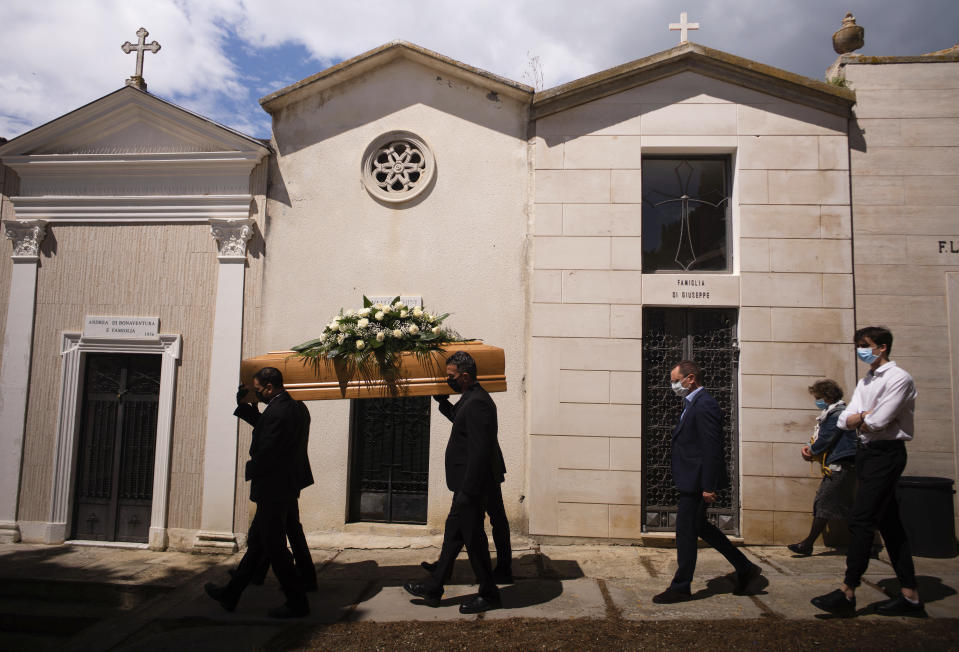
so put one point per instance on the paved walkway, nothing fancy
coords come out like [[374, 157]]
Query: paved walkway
[[91, 598]]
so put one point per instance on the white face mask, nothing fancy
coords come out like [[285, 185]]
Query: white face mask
[[678, 388]]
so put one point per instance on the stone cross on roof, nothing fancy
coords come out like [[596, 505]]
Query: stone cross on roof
[[142, 46], [682, 26]]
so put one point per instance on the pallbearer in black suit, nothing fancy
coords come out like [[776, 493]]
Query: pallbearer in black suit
[[699, 471], [277, 470], [473, 464]]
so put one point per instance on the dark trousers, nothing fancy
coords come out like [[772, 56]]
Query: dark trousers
[[878, 467], [500, 525], [301, 552], [692, 525], [464, 526], [267, 538]]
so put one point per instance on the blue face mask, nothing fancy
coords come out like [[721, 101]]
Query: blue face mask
[[821, 404], [865, 354]]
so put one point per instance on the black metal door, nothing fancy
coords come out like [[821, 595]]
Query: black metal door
[[707, 336], [114, 489], [390, 451]]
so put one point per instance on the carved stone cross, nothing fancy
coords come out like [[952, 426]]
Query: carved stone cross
[[141, 47], [682, 26]]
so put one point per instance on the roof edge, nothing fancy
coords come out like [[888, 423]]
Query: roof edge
[[697, 58], [361, 63]]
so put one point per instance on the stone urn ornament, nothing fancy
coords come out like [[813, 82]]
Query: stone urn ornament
[[849, 37]]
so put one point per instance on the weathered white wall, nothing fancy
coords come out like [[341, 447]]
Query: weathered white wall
[[905, 191], [792, 281], [461, 246]]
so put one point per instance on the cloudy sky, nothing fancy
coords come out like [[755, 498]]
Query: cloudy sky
[[219, 57]]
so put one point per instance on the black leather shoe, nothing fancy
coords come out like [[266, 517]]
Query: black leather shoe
[[836, 602], [899, 606], [287, 611], [421, 590], [671, 596], [478, 604], [501, 576], [220, 594], [801, 549], [743, 580], [429, 566]]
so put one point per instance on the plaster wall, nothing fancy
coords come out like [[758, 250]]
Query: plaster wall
[[791, 281], [904, 157], [8, 188], [163, 270], [461, 245]]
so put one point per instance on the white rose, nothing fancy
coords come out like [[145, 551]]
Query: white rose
[[380, 336], [342, 328], [436, 330], [403, 313], [364, 312], [398, 305], [333, 326], [397, 333], [363, 323], [378, 316], [360, 344], [414, 329], [417, 312]]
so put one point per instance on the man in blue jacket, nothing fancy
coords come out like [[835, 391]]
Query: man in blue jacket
[[699, 471]]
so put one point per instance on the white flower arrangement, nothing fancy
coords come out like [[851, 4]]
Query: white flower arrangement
[[372, 347]]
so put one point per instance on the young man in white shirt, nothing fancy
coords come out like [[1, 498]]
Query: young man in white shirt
[[882, 411]]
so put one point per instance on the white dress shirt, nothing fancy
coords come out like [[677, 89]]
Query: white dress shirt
[[889, 395]]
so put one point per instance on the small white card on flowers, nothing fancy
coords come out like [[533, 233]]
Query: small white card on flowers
[[409, 301]]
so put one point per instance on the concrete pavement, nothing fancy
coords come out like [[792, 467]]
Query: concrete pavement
[[90, 598]]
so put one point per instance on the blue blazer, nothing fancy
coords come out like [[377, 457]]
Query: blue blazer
[[697, 448]]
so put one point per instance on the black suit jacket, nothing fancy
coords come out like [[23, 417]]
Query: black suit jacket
[[279, 464], [697, 447], [473, 457]]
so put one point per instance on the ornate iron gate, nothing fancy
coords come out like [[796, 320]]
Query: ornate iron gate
[[707, 336], [114, 488], [390, 459]]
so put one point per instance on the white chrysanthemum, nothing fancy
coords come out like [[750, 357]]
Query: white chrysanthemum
[[414, 329], [378, 316], [381, 336], [397, 333], [363, 323], [360, 344], [404, 313], [417, 312], [341, 327], [364, 312], [398, 305]]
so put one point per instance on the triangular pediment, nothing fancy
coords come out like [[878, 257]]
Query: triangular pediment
[[129, 121], [692, 57]]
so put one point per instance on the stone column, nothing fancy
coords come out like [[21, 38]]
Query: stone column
[[219, 458], [15, 370]]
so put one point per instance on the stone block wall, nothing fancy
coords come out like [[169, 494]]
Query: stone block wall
[[791, 281], [904, 144]]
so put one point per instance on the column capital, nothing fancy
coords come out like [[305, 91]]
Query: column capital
[[231, 238], [27, 236]]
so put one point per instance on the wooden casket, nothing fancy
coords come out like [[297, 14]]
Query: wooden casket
[[327, 381]]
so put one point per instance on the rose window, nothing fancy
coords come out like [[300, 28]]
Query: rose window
[[397, 166]]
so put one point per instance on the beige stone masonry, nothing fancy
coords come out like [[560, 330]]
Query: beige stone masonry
[[602, 219], [808, 187], [548, 286], [689, 119], [626, 187], [602, 152], [827, 256], [779, 152], [754, 255], [571, 253], [625, 387], [811, 325], [572, 186], [569, 320], [627, 253], [756, 391], [589, 286], [582, 453], [780, 221], [625, 454], [549, 219], [583, 520], [576, 386]]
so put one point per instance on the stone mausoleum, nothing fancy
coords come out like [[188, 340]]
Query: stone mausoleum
[[690, 204]]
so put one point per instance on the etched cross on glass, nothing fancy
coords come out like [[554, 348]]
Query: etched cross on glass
[[682, 26], [685, 214], [142, 46]]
